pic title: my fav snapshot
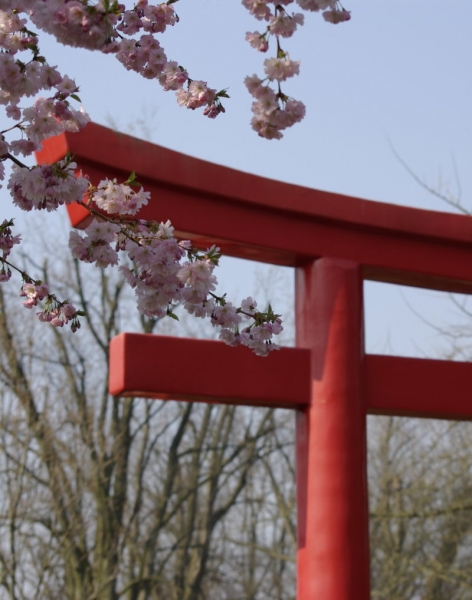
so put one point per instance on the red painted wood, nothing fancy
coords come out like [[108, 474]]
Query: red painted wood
[[279, 222], [206, 371], [328, 379], [416, 387], [410, 387], [333, 546]]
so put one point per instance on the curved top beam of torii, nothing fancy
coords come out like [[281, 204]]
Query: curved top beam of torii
[[261, 219]]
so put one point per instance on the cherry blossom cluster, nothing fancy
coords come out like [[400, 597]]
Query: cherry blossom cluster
[[256, 335], [7, 241], [163, 271], [55, 312], [24, 72], [166, 272], [46, 186], [103, 25], [273, 110]]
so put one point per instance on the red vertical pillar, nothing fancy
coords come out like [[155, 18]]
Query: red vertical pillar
[[333, 544]]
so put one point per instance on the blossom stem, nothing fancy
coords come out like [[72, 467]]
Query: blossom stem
[[23, 274], [16, 161]]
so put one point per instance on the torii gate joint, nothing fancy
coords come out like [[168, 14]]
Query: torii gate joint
[[334, 242]]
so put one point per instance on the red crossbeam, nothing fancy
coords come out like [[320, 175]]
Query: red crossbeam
[[418, 387], [277, 222], [151, 366], [146, 366]]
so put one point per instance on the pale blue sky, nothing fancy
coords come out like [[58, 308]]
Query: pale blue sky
[[398, 71]]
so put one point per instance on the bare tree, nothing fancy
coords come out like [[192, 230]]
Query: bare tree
[[107, 498], [421, 509], [120, 498], [420, 477]]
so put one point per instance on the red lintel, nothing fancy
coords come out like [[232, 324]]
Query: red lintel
[[163, 367], [262, 219], [417, 387]]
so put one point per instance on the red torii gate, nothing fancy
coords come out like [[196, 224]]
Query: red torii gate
[[334, 242]]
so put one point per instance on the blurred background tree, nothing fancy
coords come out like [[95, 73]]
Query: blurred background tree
[[106, 498], [119, 498]]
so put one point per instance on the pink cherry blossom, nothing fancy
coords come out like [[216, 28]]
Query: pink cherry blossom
[[116, 198], [336, 16], [285, 25], [258, 8], [7, 240], [258, 41], [225, 316], [5, 274], [162, 271], [281, 68], [316, 5]]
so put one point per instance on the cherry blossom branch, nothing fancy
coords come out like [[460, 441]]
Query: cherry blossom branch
[[166, 271], [55, 311], [275, 111], [15, 160], [6, 274], [160, 277]]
